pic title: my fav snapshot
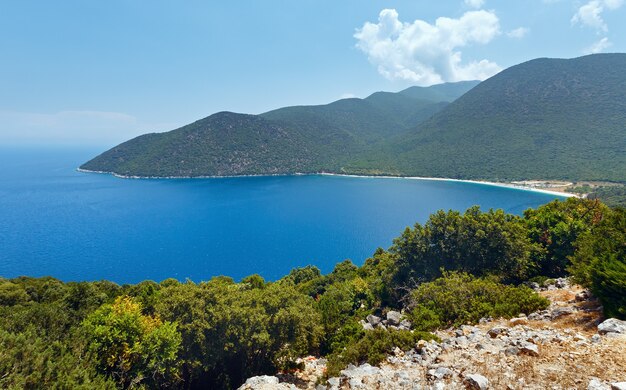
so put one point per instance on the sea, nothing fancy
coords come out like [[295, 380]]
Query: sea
[[74, 226]]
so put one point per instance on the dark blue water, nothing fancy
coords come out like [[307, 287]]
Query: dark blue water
[[79, 226]]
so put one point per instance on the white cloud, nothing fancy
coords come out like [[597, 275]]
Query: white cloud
[[347, 95], [73, 127], [474, 3], [518, 33], [590, 14], [425, 53], [598, 47]]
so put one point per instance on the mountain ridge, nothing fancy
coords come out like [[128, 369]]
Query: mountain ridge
[[312, 139], [557, 119]]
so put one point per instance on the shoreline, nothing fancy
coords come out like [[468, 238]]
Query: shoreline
[[485, 182]]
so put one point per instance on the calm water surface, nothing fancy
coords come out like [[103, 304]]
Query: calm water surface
[[79, 226]]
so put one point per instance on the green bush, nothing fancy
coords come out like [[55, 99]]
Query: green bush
[[373, 347], [476, 242], [555, 227], [459, 298], [599, 262]]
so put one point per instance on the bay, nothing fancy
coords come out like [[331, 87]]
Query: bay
[[83, 226]]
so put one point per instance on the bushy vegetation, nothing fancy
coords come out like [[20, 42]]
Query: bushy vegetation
[[374, 346], [454, 269], [460, 298], [599, 262]]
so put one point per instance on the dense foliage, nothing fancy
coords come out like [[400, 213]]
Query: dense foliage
[[542, 119], [454, 269], [600, 262], [460, 298]]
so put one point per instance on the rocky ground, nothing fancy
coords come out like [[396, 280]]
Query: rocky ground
[[567, 346]]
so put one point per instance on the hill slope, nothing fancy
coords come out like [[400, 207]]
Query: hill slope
[[221, 144], [287, 140], [546, 118]]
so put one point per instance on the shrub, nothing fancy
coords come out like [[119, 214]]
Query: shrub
[[373, 347], [599, 262], [555, 227], [480, 243], [459, 298]]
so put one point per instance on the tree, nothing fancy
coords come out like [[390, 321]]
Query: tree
[[480, 243], [555, 227], [599, 262], [133, 348]]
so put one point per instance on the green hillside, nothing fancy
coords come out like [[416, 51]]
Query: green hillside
[[288, 140], [546, 118], [446, 92], [222, 144], [543, 119]]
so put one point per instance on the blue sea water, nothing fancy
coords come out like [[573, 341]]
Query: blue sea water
[[85, 226]]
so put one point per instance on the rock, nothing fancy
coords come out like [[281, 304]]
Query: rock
[[618, 386], [561, 311], [394, 318], [476, 382], [497, 331], [596, 338], [374, 320], [535, 286], [363, 370], [512, 351], [443, 373], [438, 386], [264, 382], [421, 344], [529, 349], [612, 325], [561, 283], [597, 384], [582, 296], [518, 321], [367, 326], [405, 325]]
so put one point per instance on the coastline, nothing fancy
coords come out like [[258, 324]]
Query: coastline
[[489, 183]]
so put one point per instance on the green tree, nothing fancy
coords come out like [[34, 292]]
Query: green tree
[[555, 227], [460, 298], [231, 331], [133, 348], [480, 243], [599, 262]]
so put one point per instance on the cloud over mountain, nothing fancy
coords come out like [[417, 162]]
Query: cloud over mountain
[[425, 53]]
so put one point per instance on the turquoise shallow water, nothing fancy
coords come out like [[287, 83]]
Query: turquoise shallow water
[[81, 226]]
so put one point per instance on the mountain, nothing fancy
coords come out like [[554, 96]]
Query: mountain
[[446, 92], [546, 118], [542, 119], [287, 140]]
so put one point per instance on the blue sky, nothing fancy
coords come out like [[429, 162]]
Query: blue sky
[[100, 72]]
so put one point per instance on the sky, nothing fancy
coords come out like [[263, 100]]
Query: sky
[[100, 72]]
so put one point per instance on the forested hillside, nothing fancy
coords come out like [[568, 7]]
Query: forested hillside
[[303, 139], [543, 119], [455, 269], [546, 118]]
